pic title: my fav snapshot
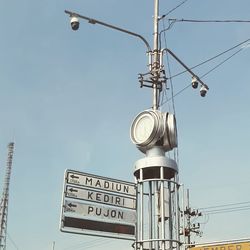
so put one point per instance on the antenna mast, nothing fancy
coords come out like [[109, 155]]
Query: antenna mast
[[5, 198], [156, 60]]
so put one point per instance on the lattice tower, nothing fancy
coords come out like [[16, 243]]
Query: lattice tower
[[5, 198]]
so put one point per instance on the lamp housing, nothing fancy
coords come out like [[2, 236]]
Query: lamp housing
[[154, 128]]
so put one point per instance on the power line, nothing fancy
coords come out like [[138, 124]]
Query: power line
[[214, 57], [208, 21], [218, 65], [229, 210], [179, 92], [12, 241], [226, 208], [179, 5], [225, 205], [88, 244], [176, 152]]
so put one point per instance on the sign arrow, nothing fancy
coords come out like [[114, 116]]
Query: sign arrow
[[72, 190], [71, 205], [74, 176]]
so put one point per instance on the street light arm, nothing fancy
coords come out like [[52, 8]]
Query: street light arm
[[94, 21], [186, 67]]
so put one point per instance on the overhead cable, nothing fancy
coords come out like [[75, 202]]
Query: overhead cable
[[214, 57], [179, 92], [218, 65], [229, 210], [179, 5], [208, 21], [12, 241], [225, 205], [89, 244], [176, 151], [226, 208]]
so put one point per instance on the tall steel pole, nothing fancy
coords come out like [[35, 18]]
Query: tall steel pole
[[157, 226], [156, 59]]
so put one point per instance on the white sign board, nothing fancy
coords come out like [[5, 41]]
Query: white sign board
[[100, 182], [96, 205], [100, 197], [96, 212]]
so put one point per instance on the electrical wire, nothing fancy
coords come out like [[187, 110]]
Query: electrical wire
[[226, 208], [169, 72], [208, 21], [225, 205], [218, 65], [176, 151], [12, 241], [88, 244], [219, 211], [179, 5], [214, 57], [170, 22]]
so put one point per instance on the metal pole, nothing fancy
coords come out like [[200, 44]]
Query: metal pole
[[150, 215], [162, 214], [156, 62], [188, 218], [170, 215], [141, 210]]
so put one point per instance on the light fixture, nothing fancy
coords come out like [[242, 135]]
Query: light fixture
[[147, 128], [154, 128], [170, 132]]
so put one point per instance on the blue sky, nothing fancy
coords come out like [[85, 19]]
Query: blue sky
[[68, 98]]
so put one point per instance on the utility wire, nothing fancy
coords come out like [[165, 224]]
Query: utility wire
[[218, 65], [169, 72], [225, 205], [12, 241], [214, 57], [176, 151], [179, 5], [220, 211], [179, 92], [226, 208], [88, 244], [208, 21]]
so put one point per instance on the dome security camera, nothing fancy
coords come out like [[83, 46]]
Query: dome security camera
[[194, 82], [74, 22], [203, 91]]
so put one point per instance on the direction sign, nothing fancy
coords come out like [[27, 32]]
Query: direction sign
[[97, 205], [100, 197], [91, 210], [100, 182]]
